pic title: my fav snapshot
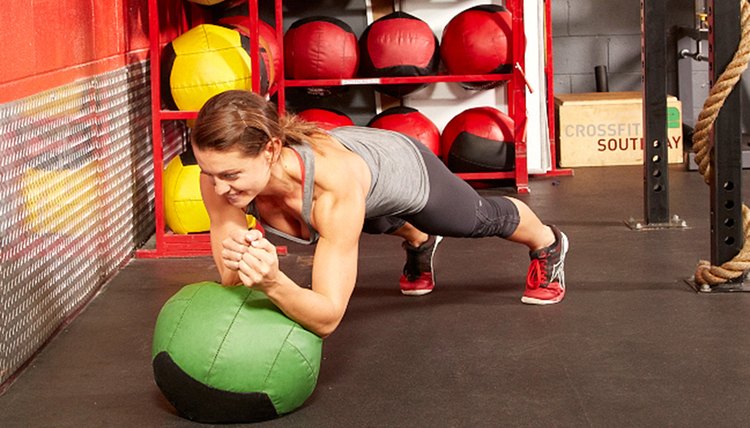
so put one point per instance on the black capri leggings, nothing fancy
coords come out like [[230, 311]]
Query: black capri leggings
[[453, 208]]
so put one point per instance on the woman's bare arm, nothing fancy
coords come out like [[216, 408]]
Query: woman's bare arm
[[228, 230], [320, 309]]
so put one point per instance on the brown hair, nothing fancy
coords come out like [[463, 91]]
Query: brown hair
[[247, 121]]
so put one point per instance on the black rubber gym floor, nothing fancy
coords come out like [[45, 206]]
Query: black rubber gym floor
[[631, 345]]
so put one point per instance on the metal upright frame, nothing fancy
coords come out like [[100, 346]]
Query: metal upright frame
[[516, 97], [655, 147], [655, 172], [726, 162], [168, 244], [550, 96]]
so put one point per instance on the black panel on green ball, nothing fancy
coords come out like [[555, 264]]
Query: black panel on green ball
[[198, 402]]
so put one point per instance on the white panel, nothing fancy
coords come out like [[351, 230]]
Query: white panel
[[537, 138]]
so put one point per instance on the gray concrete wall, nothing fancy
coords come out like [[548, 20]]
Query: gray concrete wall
[[587, 33]]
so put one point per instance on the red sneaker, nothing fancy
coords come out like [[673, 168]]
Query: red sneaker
[[545, 282], [418, 278]]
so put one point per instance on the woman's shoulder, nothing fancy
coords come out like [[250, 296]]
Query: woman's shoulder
[[355, 131], [337, 167]]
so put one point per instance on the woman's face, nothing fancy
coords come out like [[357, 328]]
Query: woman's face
[[236, 176]]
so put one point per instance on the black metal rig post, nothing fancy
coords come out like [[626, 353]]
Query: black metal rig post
[[655, 144], [654, 54], [727, 236]]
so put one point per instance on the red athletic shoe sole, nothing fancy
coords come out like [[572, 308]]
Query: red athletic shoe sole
[[423, 285], [534, 301]]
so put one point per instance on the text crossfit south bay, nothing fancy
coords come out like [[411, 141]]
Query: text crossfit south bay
[[615, 132]]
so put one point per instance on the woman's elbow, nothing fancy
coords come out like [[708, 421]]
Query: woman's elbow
[[325, 329]]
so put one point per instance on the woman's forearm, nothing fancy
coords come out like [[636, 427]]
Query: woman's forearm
[[312, 310]]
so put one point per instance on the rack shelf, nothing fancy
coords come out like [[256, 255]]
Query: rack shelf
[[399, 80], [515, 82], [179, 17]]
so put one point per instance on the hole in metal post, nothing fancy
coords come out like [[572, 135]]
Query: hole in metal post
[[728, 185], [657, 188], [729, 240], [656, 144], [728, 222], [729, 204], [656, 173], [656, 159]]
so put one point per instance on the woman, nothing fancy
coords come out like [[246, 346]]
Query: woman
[[321, 187]]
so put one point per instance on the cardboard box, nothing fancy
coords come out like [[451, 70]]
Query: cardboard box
[[606, 128]]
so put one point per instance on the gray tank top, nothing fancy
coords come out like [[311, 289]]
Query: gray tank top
[[399, 184]]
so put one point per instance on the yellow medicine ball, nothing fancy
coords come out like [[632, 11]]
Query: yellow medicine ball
[[204, 61], [61, 200], [184, 211]]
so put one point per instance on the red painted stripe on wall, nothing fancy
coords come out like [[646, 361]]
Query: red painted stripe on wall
[[49, 43], [41, 82]]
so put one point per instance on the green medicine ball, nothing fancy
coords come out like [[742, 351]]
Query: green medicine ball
[[229, 355]]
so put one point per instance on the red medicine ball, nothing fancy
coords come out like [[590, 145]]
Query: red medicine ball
[[411, 122], [320, 47], [478, 41], [399, 45], [325, 118], [268, 42], [478, 140]]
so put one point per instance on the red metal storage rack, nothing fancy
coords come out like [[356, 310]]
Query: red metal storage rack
[[168, 244], [515, 90], [549, 73]]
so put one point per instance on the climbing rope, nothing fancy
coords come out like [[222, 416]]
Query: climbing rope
[[706, 273]]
